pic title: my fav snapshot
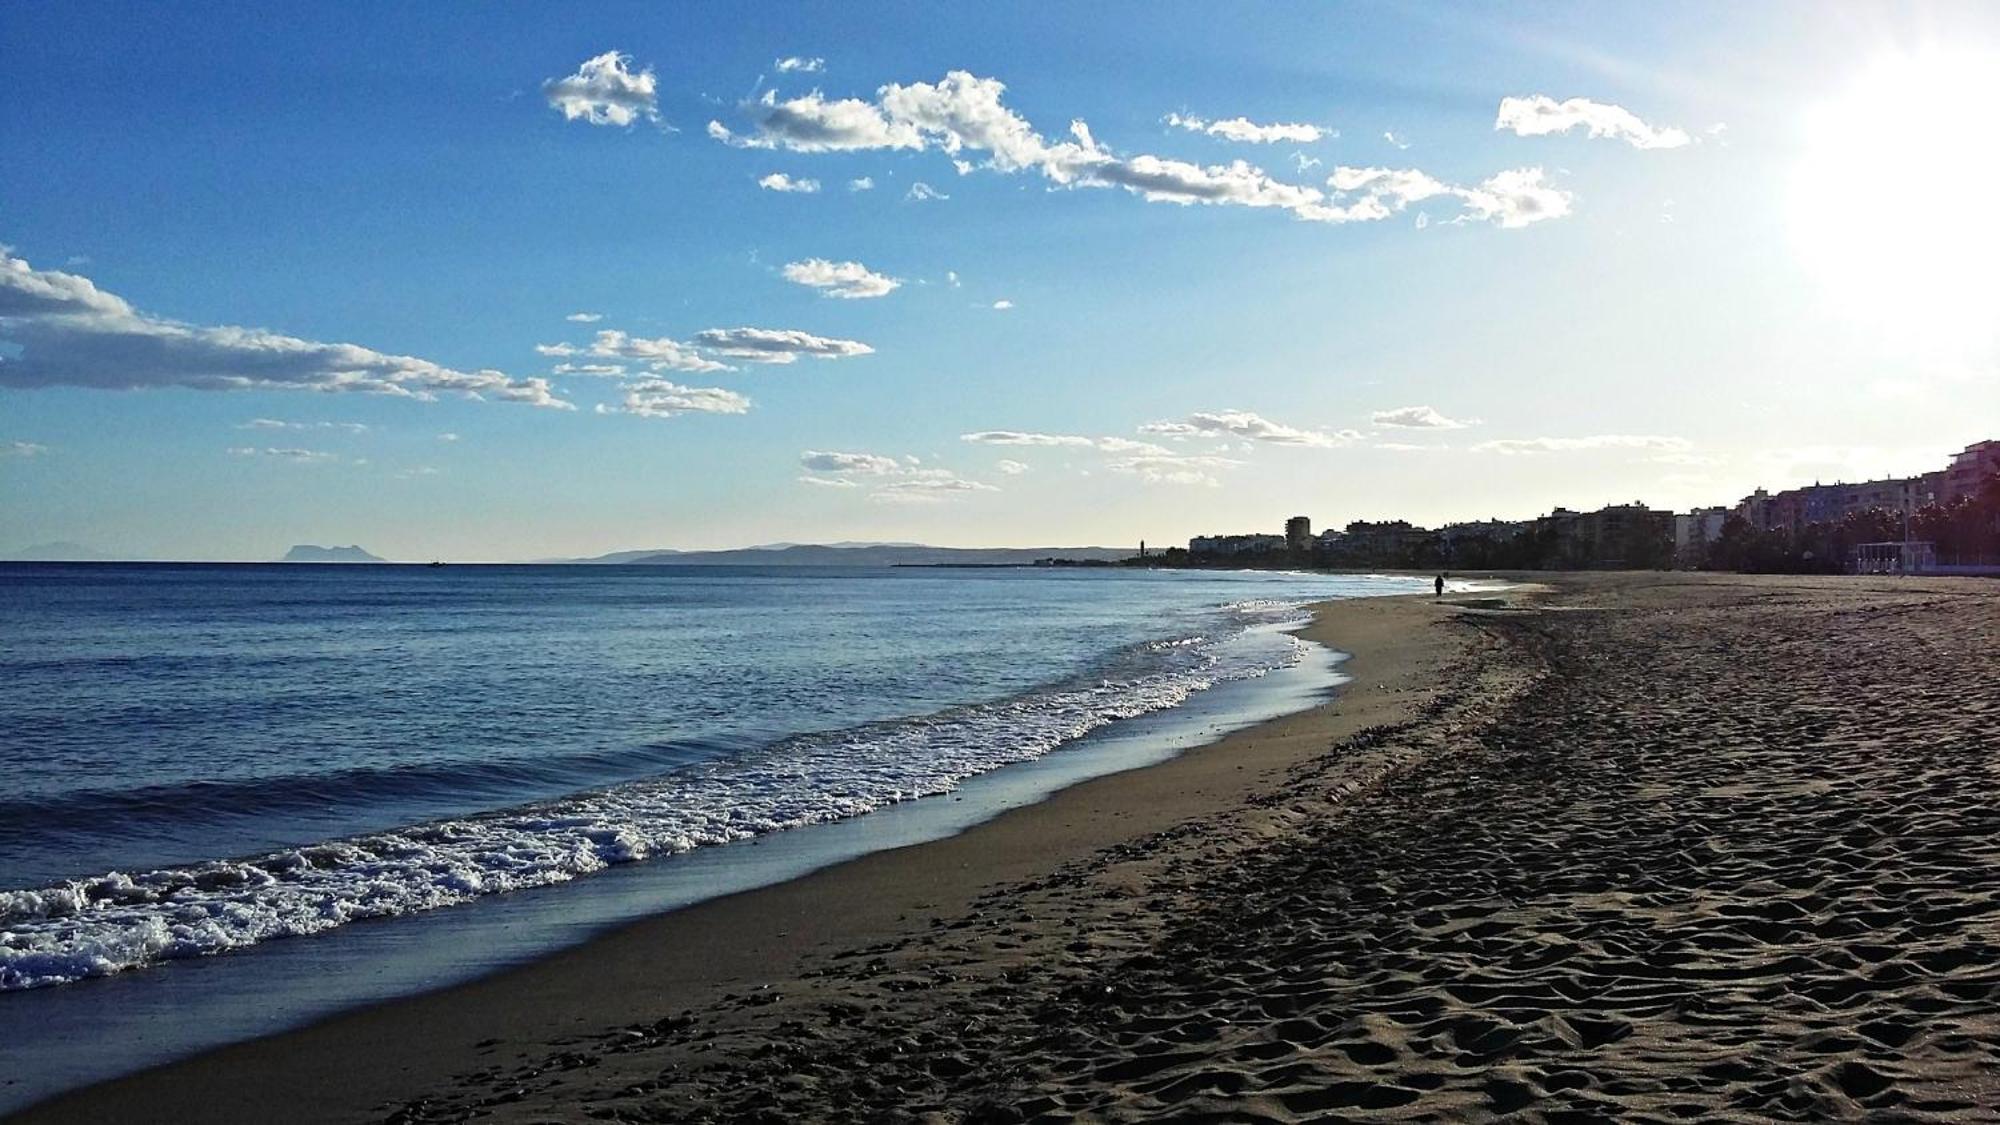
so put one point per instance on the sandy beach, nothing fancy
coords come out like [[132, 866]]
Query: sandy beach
[[1647, 847]]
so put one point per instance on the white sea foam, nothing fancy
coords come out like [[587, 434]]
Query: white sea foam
[[102, 925]]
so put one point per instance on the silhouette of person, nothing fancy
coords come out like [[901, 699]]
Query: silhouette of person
[[1439, 584]]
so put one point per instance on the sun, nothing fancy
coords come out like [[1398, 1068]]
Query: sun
[[1894, 207]]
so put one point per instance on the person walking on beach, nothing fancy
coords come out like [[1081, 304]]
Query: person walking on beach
[[1439, 585]]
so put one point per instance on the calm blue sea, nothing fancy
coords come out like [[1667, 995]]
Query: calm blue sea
[[202, 759]]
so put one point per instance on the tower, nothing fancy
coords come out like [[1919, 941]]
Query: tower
[[1298, 533]]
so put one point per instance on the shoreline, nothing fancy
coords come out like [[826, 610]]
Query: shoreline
[[357, 1063]]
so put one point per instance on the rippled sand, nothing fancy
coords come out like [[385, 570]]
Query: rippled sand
[[1655, 848]]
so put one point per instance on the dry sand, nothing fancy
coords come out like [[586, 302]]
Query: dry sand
[[1663, 848]]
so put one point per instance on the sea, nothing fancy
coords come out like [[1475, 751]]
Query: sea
[[242, 797]]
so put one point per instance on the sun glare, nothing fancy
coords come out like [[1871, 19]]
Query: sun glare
[[1892, 208]]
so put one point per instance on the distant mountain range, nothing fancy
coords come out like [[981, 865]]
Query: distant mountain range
[[64, 551], [613, 557], [855, 554], [767, 554], [309, 553]]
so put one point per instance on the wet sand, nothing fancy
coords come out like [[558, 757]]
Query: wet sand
[[1658, 847]]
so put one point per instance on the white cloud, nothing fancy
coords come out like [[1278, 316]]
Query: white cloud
[[604, 92], [963, 112], [1243, 130], [1393, 139], [660, 398], [1541, 115], [23, 449], [777, 345], [1017, 437], [662, 354], [1173, 469], [1377, 193], [793, 64], [1070, 441], [1252, 427], [447, 437], [1159, 180], [72, 333], [861, 183], [1416, 418], [1512, 446], [840, 279], [868, 464], [926, 487], [278, 424], [922, 192], [1151, 463], [296, 456], [756, 345], [813, 124], [951, 278], [963, 117], [1003, 304], [887, 478], [1127, 445], [778, 181], [585, 317], [1514, 199]]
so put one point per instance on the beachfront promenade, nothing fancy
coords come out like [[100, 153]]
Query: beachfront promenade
[[1648, 847]]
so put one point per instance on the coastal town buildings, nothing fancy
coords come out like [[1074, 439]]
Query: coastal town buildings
[[1386, 540], [1795, 508], [1620, 535], [1220, 545], [1813, 527], [1480, 543]]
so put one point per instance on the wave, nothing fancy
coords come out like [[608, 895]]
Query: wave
[[108, 923], [147, 806]]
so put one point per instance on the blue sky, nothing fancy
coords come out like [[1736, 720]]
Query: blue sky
[[1617, 252]]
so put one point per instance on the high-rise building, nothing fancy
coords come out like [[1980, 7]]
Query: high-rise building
[[1970, 469]]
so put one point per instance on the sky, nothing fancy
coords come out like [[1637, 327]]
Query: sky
[[519, 281]]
